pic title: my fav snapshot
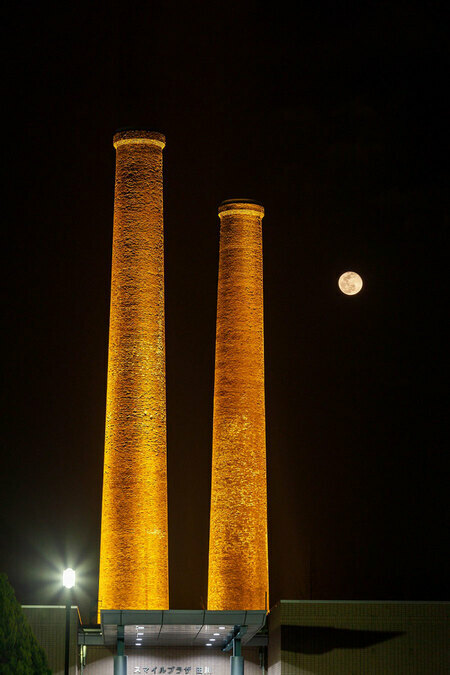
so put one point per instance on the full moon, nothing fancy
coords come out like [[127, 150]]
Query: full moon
[[350, 283]]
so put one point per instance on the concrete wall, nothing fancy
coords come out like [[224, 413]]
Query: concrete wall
[[353, 638], [48, 623], [173, 661]]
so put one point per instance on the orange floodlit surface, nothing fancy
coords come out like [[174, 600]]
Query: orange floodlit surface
[[238, 557], [134, 541]]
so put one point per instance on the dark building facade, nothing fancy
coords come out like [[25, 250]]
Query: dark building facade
[[298, 638], [340, 637]]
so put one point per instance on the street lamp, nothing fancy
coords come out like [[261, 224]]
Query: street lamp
[[68, 582], [69, 578]]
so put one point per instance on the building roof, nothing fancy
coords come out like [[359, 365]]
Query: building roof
[[178, 627]]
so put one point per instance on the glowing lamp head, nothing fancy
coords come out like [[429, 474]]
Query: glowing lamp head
[[69, 578]]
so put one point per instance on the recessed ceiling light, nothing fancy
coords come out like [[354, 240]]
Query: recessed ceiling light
[[139, 627], [216, 633], [212, 639], [221, 627], [208, 644]]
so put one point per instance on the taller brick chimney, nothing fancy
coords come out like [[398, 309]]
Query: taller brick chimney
[[134, 541]]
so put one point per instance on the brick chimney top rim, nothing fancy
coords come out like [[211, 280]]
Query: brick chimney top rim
[[240, 201], [139, 136], [241, 207]]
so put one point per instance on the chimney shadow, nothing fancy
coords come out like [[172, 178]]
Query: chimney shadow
[[322, 639]]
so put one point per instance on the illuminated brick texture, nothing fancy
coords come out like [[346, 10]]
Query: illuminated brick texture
[[134, 542], [238, 559]]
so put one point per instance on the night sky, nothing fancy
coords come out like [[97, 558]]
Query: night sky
[[335, 118]]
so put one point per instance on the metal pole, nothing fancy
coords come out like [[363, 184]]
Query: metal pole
[[120, 661], [237, 660], [67, 642], [262, 660], [120, 665]]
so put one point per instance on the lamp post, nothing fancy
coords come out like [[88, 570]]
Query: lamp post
[[68, 582]]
